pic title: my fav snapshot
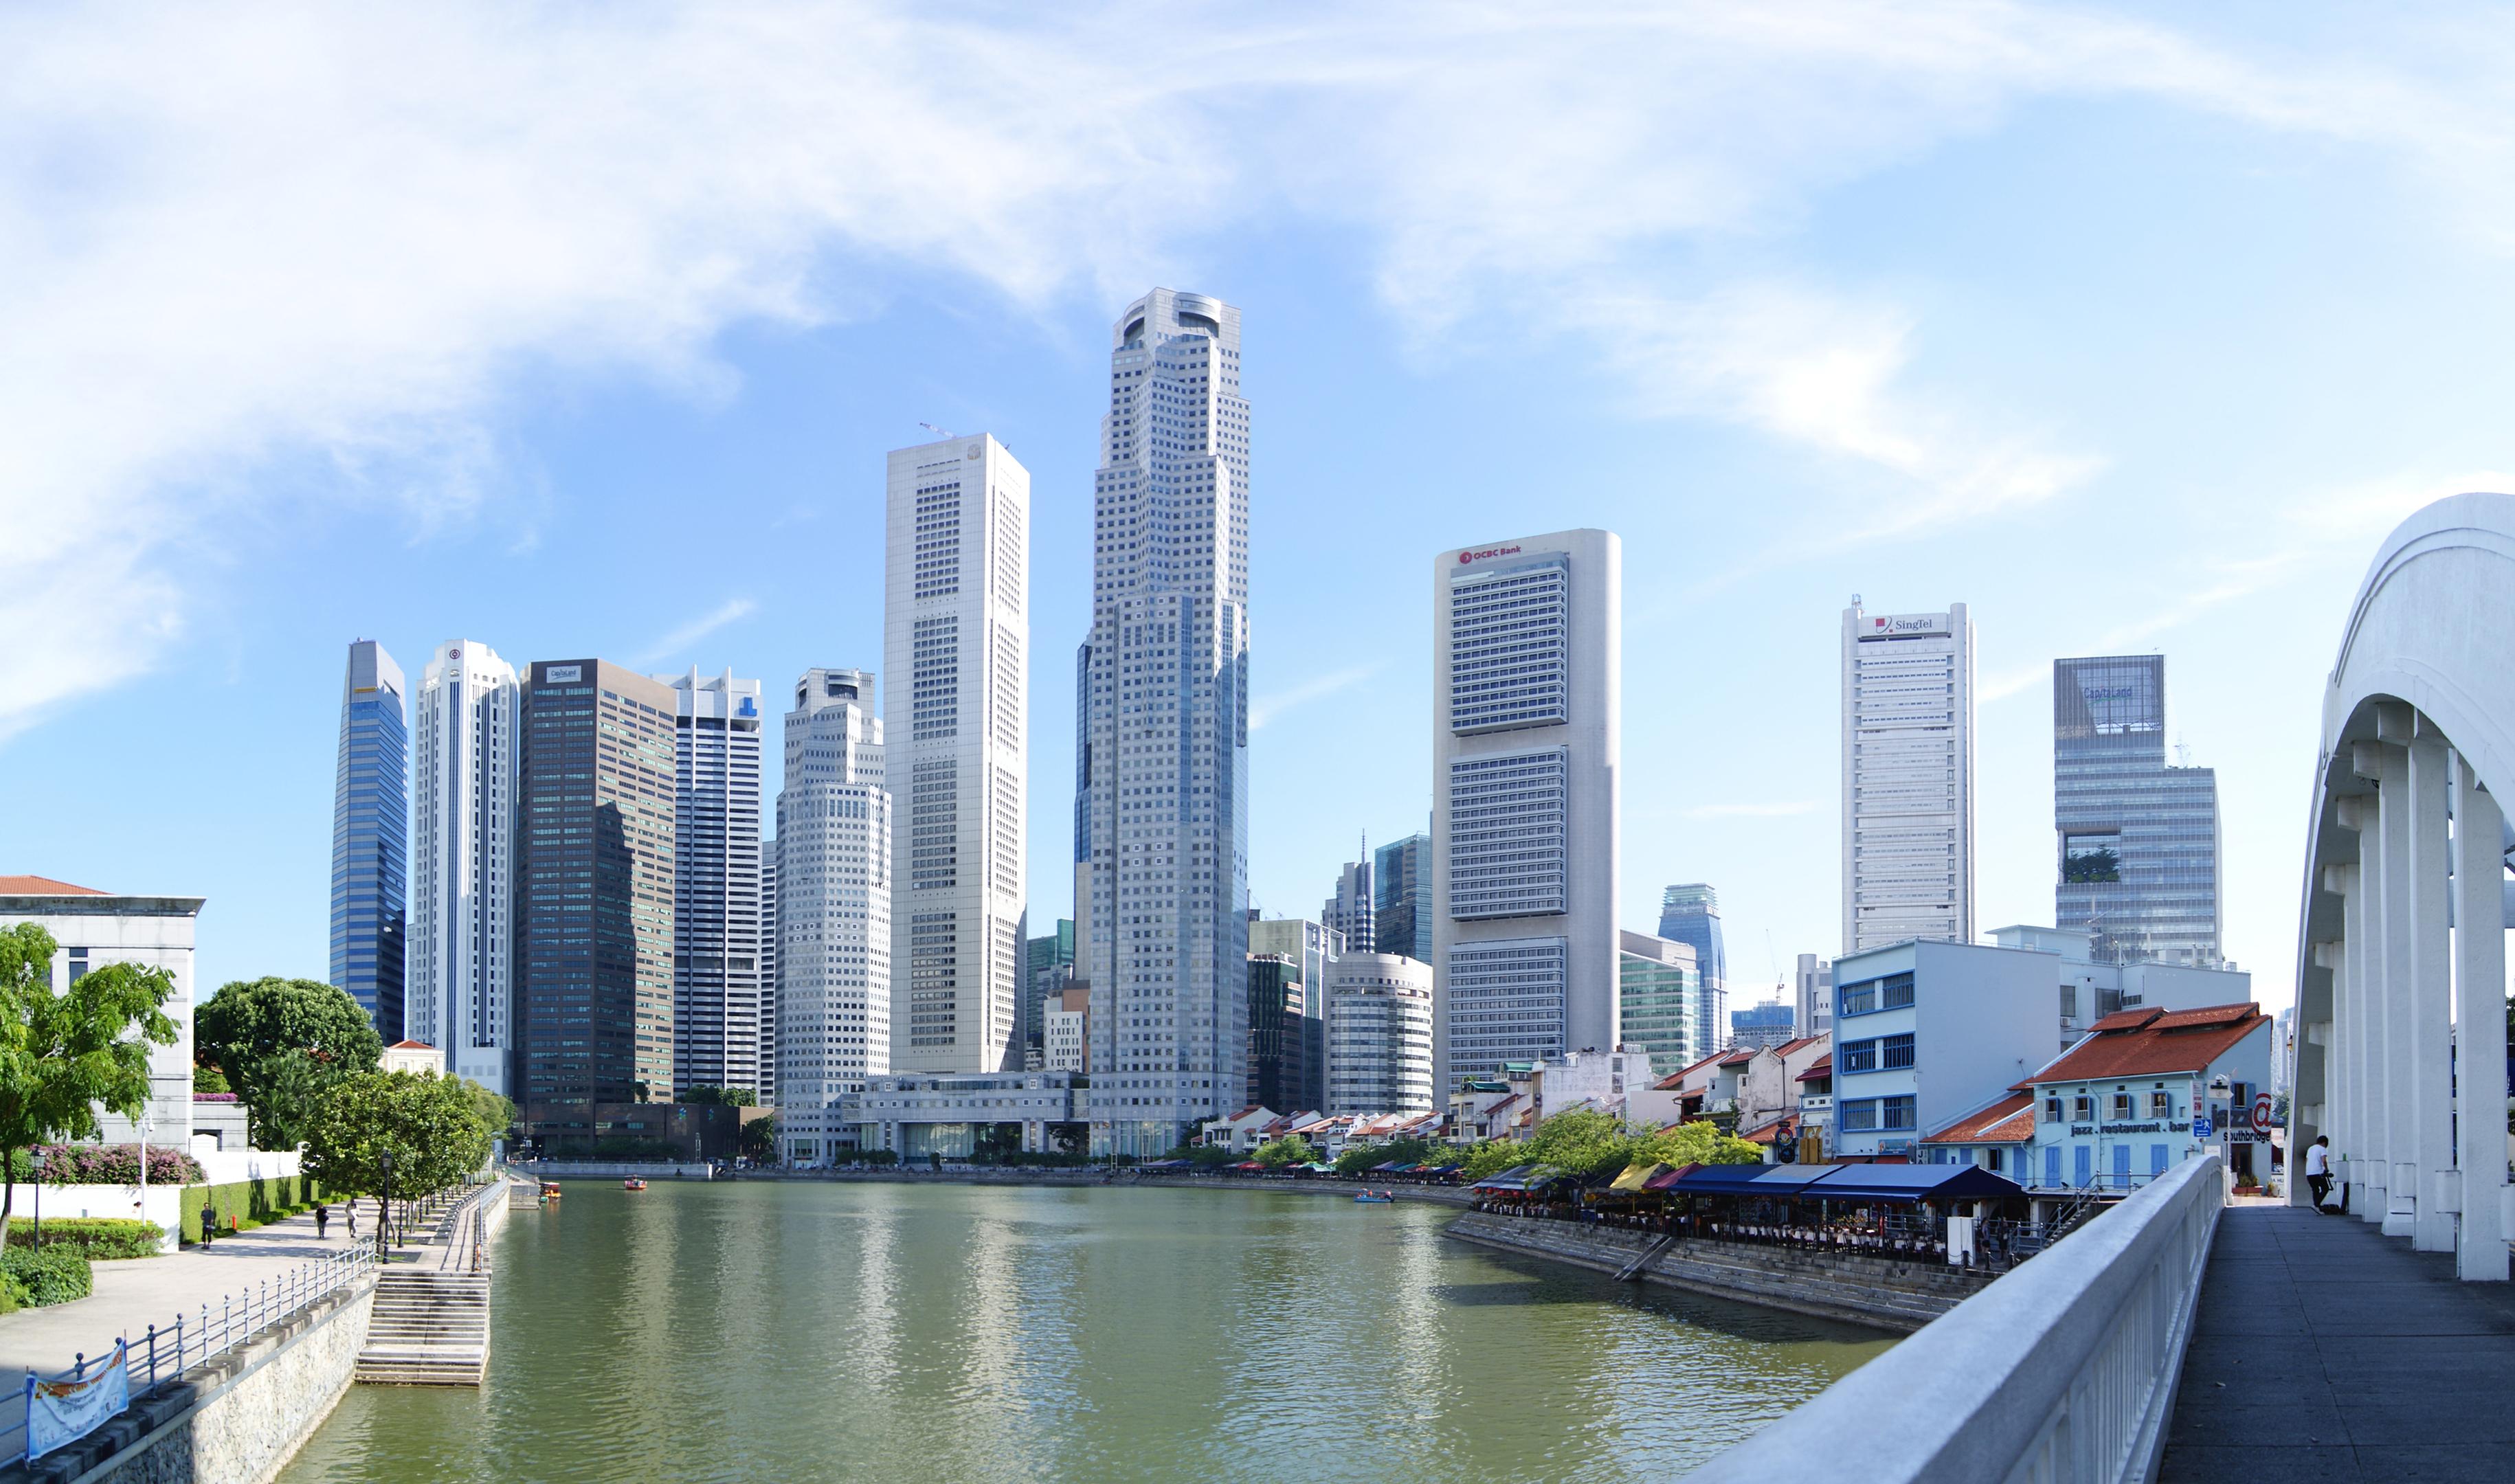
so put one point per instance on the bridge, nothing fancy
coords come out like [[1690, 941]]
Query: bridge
[[2378, 1344]]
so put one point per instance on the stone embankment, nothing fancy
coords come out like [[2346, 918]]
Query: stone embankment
[[1344, 1190], [1882, 1293]]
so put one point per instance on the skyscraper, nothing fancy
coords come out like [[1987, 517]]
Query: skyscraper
[[1349, 910], [1908, 717], [1312, 946], [1815, 990], [1690, 913], [1397, 897], [1287, 1049], [720, 1037], [1379, 1035], [457, 994], [2138, 838], [956, 624], [834, 889], [1047, 969], [600, 790], [1658, 996], [371, 837], [1164, 691], [1527, 700]]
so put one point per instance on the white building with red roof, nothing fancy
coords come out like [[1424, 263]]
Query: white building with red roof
[[2116, 1111], [94, 928]]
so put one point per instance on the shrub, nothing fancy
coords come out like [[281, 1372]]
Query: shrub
[[95, 1238], [106, 1165], [50, 1274]]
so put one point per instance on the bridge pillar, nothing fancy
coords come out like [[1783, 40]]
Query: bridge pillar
[[2429, 1007], [2480, 990], [2353, 1125], [2395, 1003]]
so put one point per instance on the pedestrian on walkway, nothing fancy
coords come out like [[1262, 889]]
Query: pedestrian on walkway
[[2318, 1169], [352, 1209], [322, 1219]]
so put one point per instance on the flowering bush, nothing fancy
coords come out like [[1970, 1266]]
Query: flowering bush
[[105, 1165]]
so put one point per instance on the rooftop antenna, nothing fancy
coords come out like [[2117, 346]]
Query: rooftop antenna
[[940, 432], [2182, 754]]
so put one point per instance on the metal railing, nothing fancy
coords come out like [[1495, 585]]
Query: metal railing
[[166, 1351], [467, 1244], [2062, 1372]]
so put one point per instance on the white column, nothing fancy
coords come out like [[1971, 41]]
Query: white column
[[2345, 1093], [2480, 991], [2394, 1004], [2430, 998]]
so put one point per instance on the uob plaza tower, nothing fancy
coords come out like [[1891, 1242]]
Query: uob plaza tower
[[1162, 811]]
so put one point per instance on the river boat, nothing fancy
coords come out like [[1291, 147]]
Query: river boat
[[633, 1183], [550, 1190], [1376, 1198]]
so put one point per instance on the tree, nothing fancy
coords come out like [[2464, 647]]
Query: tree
[[63, 1053], [1585, 1141], [496, 1112], [1404, 1151], [1291, 1149], [431, 1126], [706, 1095], [283, 1044], [757, 1138]]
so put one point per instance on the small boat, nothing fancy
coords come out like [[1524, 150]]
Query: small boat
[[1376, 1198], [633, 1183], [550, 1190]]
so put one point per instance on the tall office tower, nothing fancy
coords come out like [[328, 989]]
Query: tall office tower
[[956, 623], [1312, 946], [1288, 1051], [600, 792], [1527, 701], [1348, 911], [1398, 895], [1907, 777], [834, 889], [721, 1036], [1658, 993], [2138, 838], [768, 930], [1690, 913], [1379, 1035], [1163, 692], [1047, 969], [1815, 985], [457, 992], [371, 837]]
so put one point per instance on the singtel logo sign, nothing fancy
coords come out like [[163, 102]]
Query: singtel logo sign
[[1486, 555], [1882, 627]]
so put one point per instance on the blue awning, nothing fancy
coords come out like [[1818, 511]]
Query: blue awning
[[1849, 1182]]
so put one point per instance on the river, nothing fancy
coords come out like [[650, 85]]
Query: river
[[792, 1331]]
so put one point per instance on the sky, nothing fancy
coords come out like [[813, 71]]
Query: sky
[[581, 329]]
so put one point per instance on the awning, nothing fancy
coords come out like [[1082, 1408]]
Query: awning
[[1914, 1182], [1669, 1176], [1636, 1176], [1730, 1179]]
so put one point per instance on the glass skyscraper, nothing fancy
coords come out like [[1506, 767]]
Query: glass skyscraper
[[1658, 989], [1397, 897], [2136, 839], [371, 837], [1691, 914]]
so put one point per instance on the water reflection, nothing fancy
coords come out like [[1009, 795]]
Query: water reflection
[[764, 1331]]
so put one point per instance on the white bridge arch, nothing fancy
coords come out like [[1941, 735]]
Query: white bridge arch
[[2404, 857]]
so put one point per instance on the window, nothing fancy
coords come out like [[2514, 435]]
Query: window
[[2161, 1105], [1990, 1159], [1898, 1050], [1895, 1113], [1861, 1057], [1895, 991], [2051, 1110], [1858, 999], [1858, 1114], [2121, 1105], [2083, 1108]]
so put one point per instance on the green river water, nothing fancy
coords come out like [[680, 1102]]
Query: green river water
[[780, 1331]]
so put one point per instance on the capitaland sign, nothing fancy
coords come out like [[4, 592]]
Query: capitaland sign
[[1486, 555], [1905, 625]]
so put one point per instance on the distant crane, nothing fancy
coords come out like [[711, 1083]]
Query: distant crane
[[940, 432]]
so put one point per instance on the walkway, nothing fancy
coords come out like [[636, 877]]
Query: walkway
[[2324, 1350]]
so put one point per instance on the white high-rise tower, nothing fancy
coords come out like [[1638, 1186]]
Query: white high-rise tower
[[1907, 777], [833, 937], [1527, 641], [956, 626], [461, 942], [1161, 820], [721, 1033]]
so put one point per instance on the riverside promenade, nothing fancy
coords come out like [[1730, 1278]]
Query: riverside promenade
[[2324, 1350]]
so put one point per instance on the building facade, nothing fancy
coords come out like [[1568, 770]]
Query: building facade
[[601, 786], [1379, 1035], [1907, 777], [1048, 971], [1814, 980], [371, 837], [94, 928], [1658, 991], [955, 636], [1163, 691], [1288, 1048], [1310, 946], [460, 975], [1527, 665], [1065, 1042], [723, 1032], [2136, 840], [1926, 1032], [1347, 910], [1762, 1025], [834, 905], [933, 1119], [1398, 893], [1690, 913]]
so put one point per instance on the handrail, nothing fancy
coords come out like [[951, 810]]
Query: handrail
[[2062, 1372]]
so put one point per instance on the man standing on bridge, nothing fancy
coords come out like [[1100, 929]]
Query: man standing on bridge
[[2318, 1169]]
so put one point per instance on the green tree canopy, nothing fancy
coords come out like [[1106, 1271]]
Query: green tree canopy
[[63, 1054], [430, 1124], [497, 1111], [1584, 1141], [727, 1098], [283, 1044], [1292, 1149], [757, 1138], [1404, 1151]]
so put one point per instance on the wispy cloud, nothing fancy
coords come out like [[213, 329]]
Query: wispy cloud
[[1751, 811], [1264, 708], [681, 638]]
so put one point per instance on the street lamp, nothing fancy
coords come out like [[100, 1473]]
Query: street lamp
[[384, 1210], [38, 1161]]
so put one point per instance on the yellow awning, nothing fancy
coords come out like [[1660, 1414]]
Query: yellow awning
[[1635, 1174]]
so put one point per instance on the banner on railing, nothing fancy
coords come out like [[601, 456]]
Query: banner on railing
[[62, 1411]]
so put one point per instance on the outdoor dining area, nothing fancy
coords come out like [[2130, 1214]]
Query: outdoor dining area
[[1959, 1214]]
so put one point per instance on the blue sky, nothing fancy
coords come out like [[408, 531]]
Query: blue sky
[[580, 330]]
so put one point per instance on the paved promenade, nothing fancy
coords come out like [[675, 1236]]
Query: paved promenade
[[2324, 1350]]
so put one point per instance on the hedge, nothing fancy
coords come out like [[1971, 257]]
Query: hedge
[[91, 1237], [105, 1165], [44, 1275], [251, 1203]]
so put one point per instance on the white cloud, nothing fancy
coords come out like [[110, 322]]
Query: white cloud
[[236, 235], [1264, 708], [680, 640]]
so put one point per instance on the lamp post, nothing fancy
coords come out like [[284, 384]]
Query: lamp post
[[148, 1126], [384, 1210], [38, 1161]]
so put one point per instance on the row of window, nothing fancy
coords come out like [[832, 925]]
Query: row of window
[[1856, 1115], [1893, 992], [2083, 1106], [1887, 1053]]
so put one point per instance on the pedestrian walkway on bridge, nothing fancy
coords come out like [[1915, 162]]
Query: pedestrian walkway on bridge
[[2324, 1350]]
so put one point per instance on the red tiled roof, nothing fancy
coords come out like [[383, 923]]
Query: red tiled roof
[[2156, 1044], [2125, 1020], [2009, 1121], [1669, 1083], [1737, 1059], [410, 1046], [1787, 1046], [44, 886], [1823, 1069]]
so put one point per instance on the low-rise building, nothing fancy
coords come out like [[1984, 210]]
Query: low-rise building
[[94, 928], [1923, 1032], [2116, 1111], [2090, 990], [411, 1057], [1999, 1138], [1244, 1130], [958, 1117], [674, 1131]]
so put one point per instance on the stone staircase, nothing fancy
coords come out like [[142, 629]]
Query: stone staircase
[[428, 1328]]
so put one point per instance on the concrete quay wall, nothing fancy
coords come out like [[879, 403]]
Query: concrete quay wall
[[1437, 1195], [1882, 1293]]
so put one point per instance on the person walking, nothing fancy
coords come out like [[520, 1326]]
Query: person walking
[[322, 1219], [2318, 1169], [352, 1209]]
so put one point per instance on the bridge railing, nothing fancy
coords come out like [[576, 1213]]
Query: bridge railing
[[2062, 1372]]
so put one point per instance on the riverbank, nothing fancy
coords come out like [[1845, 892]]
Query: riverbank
[[1027, 1179], [1882, 1292]]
